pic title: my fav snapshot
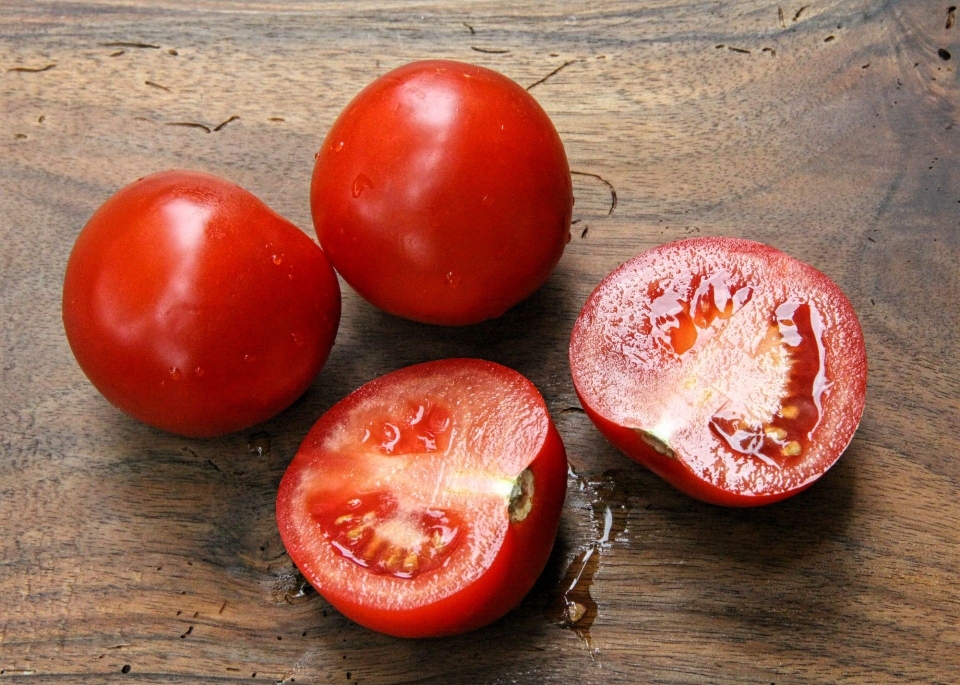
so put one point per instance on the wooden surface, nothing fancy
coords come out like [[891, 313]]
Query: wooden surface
[[827, 128]]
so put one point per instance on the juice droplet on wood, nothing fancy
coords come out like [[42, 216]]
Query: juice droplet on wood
[[573, 606]]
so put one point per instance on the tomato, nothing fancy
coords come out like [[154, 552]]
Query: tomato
[[426, 503], [442, 193], [735, 372], [193, 307]]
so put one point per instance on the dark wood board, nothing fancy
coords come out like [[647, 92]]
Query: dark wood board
[[827, 128]]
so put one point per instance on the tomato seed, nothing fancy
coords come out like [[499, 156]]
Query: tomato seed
[[575, 611], [775, 432], [373, 548], [790, 412], [392, 562]]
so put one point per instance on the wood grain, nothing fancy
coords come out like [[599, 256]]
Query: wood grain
[[827, 128]]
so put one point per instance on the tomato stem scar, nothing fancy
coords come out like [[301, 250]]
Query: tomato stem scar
[[521, 497], [657, 444]]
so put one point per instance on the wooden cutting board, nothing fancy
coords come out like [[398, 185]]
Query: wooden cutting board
[[828, 128]]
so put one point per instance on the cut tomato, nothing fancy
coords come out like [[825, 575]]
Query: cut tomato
[[732, 370], [427, 502]]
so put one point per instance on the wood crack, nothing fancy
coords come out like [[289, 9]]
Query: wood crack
[[613, 191], [553, 73]]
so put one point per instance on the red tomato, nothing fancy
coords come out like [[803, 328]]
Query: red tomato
[[442, 193], [732, 370], [193, 307], [426, 503]]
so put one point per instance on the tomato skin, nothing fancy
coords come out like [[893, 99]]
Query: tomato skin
[[193, 307], [664, 375], [521, 547], [442, 193]]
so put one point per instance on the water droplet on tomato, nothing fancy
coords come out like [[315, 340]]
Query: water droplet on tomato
[[359, 183], [248, 357], [452, 279], [175, 373], [297, 339], [277, 259], [316, 155], [339, 146], [198, 371], [391, 438]]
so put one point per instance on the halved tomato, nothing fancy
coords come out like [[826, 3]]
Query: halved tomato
[[732, 370], [426, 503]]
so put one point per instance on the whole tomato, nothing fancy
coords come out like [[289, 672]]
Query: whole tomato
[[195, 308], [442, 193]]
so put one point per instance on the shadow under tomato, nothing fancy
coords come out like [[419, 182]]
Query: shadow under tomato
[[780, 534], [676, 556], [529, 338], [770, 573]]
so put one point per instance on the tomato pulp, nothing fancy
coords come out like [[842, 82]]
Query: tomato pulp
[[426, 503], [195, 308], [442, 193], [732, 370]]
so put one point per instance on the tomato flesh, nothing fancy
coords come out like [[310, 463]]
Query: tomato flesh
[[427, 502], [442, 193], [192, 306], [729, 368]]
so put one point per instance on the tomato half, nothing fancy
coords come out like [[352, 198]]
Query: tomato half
[[732, 370], [195, 308], [426, 503], [442, 193]]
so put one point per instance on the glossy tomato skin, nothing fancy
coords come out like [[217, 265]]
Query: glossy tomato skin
[[442, 193], [192, 306], [495, 559], [730, 369]]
